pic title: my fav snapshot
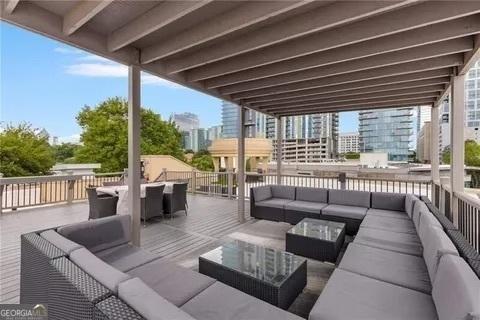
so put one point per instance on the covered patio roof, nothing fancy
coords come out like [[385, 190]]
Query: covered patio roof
[[278, 57]]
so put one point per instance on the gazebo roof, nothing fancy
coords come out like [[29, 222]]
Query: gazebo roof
[[278, 57]]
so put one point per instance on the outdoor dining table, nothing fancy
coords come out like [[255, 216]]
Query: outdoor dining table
[[122, 193]]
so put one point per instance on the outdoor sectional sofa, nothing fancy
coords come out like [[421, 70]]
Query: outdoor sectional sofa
[[402, 263], [89, 270]]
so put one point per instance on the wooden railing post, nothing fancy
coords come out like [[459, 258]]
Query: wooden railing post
[[194, 181], [70, 187], [230, 183], [1, 197]]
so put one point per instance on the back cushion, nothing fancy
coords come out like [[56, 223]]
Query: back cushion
[[349, 198], [99, 234], [418, 208], [312, 194], [262, 193], [427, 220], [59, 241], [388, 201], [283, 192], [101, 271], [409, 202], [436, 243], [456, 290]]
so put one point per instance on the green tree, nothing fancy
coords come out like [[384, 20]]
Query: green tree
[[65, 152], [472, 154], [105, 135], [352, 155], [203, 161], [24, 151]]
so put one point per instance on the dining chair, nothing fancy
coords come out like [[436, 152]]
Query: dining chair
[[152, 203], [100, 205], [176, 200]]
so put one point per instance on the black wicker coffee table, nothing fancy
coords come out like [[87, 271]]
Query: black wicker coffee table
[[317, 239], [274, 276]]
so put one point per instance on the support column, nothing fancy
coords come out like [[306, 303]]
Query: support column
[[134, 127], [434, 152], [279, 150], [457, 142], [241, 164]]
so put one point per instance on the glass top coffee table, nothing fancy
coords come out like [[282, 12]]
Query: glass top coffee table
[[317, 239], [274, 276]]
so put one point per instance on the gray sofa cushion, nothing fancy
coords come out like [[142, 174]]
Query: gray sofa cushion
[[99, 234], [349, 198], [418, 208], [388, 201], [173, 282], [436, 243], [273, 203], [397, 268], [60, 241], [388, 213], [427, 220], [409, 202], [126, 257], [101, 271], [221, 302], [148, 303], [389, 224], [349, 295], [398, 242], [262, 193], [312, 194], [283, 192], [307, 206], [350, 212], [456, 290]]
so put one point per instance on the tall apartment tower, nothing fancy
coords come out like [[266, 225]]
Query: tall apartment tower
[[186, 121], [387, 130], [348, 142], [255, 122]]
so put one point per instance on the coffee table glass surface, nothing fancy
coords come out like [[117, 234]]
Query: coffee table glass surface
[[318, 229]]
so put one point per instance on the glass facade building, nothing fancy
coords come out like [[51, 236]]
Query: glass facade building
[[388, 131], [472, 97]]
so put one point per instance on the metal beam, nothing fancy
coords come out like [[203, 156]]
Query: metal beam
[[398, 69], [10, 5], [471, 57], [82, 13], [233, 20], [386, 59], [405, 19], [343, 108], [334, 15], [339, 97], [345, 91], [364, 102], [154, 19], [419, 37], [134, 129]]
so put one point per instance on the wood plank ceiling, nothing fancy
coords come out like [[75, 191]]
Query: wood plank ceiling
[[278, 57]]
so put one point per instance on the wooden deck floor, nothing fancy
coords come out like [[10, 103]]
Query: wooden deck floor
[[182, 238]]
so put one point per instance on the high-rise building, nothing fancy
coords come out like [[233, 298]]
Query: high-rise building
[[423, 115], [186, 121], [387, 131], [472, 97], [199, 139], [255, 122], [348, 142], [213, 133], [423, 143]]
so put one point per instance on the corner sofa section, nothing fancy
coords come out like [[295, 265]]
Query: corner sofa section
[[90, 270]]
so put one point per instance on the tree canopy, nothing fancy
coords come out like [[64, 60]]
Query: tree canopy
[[65, 152], [105, 135], [472, 154], [203, 161], [24, 151]]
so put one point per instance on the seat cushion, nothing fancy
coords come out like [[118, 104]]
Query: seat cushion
[[262, 193], [388, 201], [99, 234], [312, 194], [148, 303], [418, 208], [435, 244], [349, 198], [350, 212], [313, 207], [398, 242], [397, 268], [456, 290], [409, 203], [283, 192], [273, 203], [101, 271], [349, 295], [388, 213], [175, 283], [126, 257], [389, 224], [221, 302], [60, 241]]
